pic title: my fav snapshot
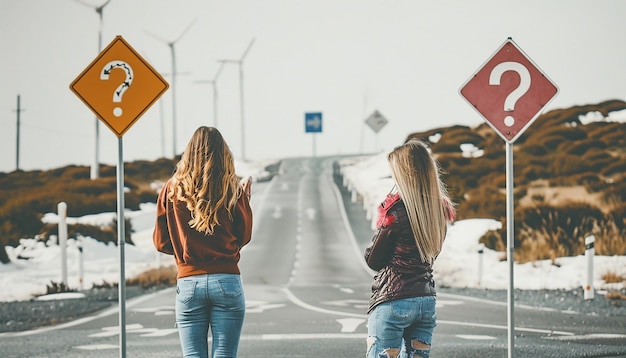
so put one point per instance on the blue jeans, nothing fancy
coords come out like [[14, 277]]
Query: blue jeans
[[402, 328], [213, 301]]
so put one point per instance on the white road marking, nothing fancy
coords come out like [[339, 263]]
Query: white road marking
[[161, 333], [278, 212], [97, 347], [474, 337], [261, 306], [444, 303], [347, 303], [310, 212], [583, 337], [315, 336], [349, 325], [309, 307]]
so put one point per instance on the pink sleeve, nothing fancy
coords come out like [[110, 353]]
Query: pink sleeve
[[449, 208]]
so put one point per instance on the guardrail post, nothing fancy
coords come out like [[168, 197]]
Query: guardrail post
[[79, 247], [62, 212], [481, 250], [589, 253]]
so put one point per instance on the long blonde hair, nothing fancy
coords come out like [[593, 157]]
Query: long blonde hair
[[205, 179], [417, 176]]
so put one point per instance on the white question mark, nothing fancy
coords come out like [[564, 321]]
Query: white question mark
[[524, 85], [119, 91]]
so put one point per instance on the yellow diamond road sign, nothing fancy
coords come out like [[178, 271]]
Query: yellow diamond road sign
[[119, 86]]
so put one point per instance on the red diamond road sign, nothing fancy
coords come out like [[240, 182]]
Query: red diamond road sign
[[509, 91], [119, 86]]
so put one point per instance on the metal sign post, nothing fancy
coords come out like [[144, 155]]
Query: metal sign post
[[313, 124], [509, 91], [376, 122], [105, 87]]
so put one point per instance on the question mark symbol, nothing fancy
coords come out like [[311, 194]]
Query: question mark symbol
[[522, 88], [119, 91]]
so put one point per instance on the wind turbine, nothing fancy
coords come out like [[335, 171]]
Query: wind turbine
[[95, 167], [171, 44], [213, 83], [240, 63]]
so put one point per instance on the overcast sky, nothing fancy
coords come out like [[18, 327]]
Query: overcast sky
[[346, 58]]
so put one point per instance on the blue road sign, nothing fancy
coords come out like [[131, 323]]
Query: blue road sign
[[313, 122]]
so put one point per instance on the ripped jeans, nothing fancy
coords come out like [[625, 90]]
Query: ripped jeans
[[402, 328]]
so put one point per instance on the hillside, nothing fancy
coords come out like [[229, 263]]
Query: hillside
[[569, 177]]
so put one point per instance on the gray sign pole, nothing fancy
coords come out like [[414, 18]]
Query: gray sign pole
[[121, 240], [509, 244]]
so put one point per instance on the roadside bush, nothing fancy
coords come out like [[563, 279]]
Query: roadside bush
[[552, 137], [548, 232], [616, 167], [568, 164], [446, 147], [16, 223], [614, 194], [610, 238], [534, 149], [580, 147], [159, 277], [486, 202]]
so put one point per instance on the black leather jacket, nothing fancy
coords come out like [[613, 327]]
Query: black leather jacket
[[393, 253]]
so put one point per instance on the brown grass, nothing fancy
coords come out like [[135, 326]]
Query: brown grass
[[562, 196], [612, 277], [163, 276]]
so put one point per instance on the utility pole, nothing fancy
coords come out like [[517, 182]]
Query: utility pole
[[17, 142]]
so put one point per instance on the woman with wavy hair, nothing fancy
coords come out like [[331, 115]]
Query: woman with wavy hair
[[204, 219], [411, 227]]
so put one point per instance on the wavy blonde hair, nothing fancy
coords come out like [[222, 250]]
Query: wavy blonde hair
[[417, 176], [205, 179]]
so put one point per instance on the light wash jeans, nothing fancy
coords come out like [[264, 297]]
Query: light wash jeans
[[213, 301], [401, 328]]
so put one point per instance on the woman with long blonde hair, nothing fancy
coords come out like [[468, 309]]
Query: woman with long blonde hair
[[411, 229], [204, 219]]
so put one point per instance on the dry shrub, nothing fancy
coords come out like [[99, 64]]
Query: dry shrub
[[105, 285], [158, 277], [612, 277], [537, 249], [615, 295], [57, 287], [610, 240], [550, 232]]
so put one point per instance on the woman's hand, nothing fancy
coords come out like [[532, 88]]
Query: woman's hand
[[246, 185]]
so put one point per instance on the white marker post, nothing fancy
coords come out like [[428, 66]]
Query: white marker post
[[589, 253], [481, 251], [62, 210], [81, 270]]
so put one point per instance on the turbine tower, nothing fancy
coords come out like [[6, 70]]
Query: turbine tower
[[171, 45], [239, 62], [213, 83], [95, 166]]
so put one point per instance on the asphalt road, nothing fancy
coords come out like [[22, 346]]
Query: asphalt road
[[307, 289]]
